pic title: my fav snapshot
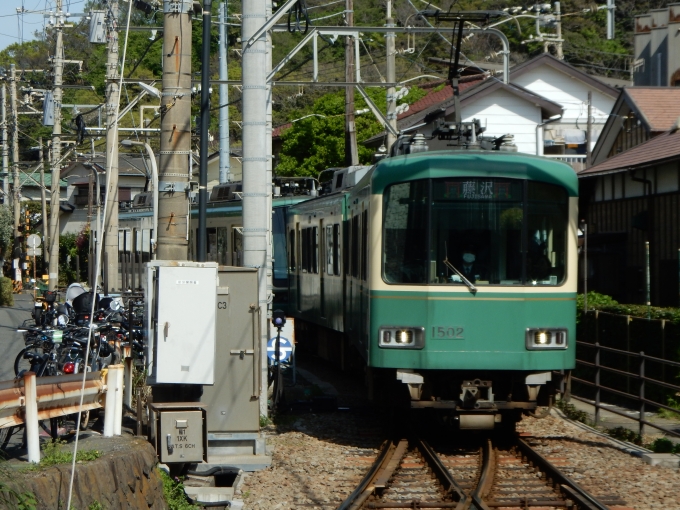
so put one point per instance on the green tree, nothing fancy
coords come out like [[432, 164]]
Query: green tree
[[6, 231], [317, 142]]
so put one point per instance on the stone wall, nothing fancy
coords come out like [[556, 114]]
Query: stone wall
[[124, 477]]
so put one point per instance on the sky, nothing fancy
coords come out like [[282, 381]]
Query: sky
[[13, 26]]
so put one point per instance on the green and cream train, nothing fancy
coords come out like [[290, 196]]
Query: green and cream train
[[449, 276]]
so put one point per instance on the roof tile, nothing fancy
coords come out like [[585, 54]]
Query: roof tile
[[660, 105], [660, 148]]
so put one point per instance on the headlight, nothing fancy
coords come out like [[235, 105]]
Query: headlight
[[396, 337], [546, 338]]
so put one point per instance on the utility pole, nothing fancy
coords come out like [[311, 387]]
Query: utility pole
[[43, 201], [256, 189], [589, 132], [173, 202], [351, 151], [269, 258], [112, 98], [225, 162], [201, 241], [14, 116], [610, 19], [56, 149], [5, 149], [558, 22], [391, 78]]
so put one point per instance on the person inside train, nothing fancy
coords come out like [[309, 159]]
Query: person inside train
[[470, 266]]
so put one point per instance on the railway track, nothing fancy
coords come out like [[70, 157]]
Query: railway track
[[410, 474]]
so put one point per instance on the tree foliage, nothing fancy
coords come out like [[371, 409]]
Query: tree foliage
[[6, 231], [314, 143], [317, 142]]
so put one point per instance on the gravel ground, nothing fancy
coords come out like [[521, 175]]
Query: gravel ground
[[318, 458], [317, 462], [601, 468]]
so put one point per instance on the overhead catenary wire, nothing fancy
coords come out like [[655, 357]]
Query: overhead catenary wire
[[96, 277]]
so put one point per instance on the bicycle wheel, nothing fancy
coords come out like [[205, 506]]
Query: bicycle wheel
[[23, 363]]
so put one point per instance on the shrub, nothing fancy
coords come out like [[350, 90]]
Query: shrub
[[6, 292]]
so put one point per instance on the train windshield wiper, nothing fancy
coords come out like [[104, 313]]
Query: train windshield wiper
[[467, 282]]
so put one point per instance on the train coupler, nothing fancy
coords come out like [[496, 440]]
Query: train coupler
[[477, 394]]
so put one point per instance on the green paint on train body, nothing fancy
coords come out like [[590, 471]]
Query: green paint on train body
[[488, 330], [436, 164]]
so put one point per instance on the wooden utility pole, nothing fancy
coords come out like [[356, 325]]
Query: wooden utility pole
[[173, 200], [112, 99], [43, 202], [14, 119], [589, 132], [351, 152], [58, 63], [5, 149]]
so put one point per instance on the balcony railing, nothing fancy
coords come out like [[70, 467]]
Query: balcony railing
[[577, 161]]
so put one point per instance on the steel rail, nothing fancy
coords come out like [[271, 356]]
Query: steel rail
[[486, 475], [444, 476], [385, 454], [568, 486]]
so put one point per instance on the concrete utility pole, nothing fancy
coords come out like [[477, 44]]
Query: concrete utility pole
[[56, 149], [351, 151], [589, 132], [558, 22], [269, 257], [225, 163], [43, 201], [14, 118], [391, 78], [256, 189], [610, 19], [112, 99], [5, 148], [173, 203]]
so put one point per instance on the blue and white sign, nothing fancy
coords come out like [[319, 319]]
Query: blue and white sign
[[285, 350]]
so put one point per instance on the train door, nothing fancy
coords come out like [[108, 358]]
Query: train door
[[322, 271]]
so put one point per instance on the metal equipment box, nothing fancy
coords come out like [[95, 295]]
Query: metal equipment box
[[180, 320], [181, 434], [233, 402]]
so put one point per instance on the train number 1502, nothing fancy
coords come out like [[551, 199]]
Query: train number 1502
[[451, 332]]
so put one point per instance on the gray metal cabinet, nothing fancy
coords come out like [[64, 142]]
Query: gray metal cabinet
[[233, 403]]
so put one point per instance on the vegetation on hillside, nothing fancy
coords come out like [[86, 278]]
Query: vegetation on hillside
[[585, 46]]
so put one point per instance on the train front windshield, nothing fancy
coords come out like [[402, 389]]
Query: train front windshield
[[490, 231]]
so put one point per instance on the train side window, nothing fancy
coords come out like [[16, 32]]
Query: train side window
[[330, 250], [237, 246], [291, 248], [364, 245], [222, 251], [347, 235], [355, 247], [336, 249], [211, 244], [315, 250], [305, 250]]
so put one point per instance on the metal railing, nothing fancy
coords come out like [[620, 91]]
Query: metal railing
[[30, 399], [577, 161], [597, 368]]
